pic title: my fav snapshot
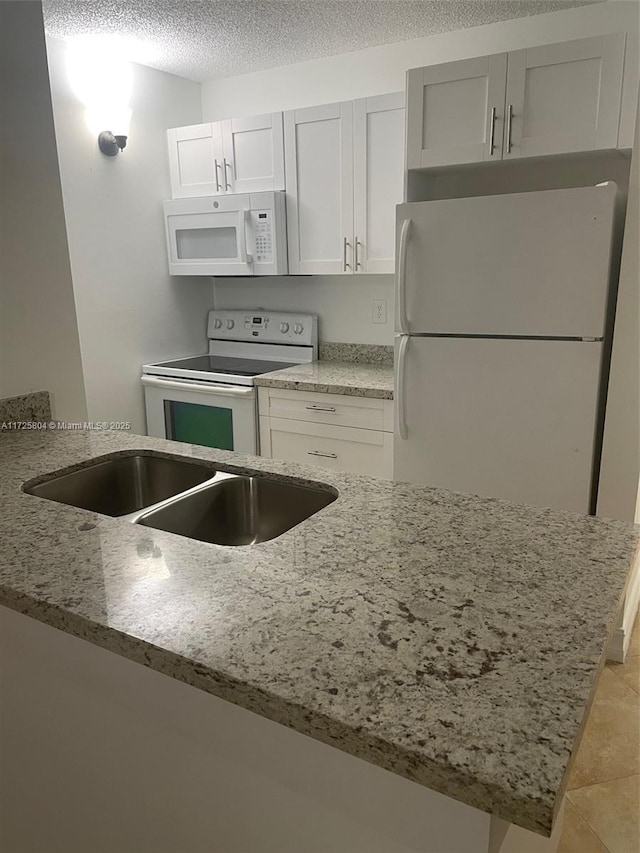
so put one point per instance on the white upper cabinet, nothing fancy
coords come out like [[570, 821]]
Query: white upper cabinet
[[456, 112], [319, 176], [253, 150], [378, 163], [195, 160], [344, 168], [545, 100], [233, 156], [564, 97]]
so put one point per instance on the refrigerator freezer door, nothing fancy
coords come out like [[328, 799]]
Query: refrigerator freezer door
[[513, 419], [522, 264]]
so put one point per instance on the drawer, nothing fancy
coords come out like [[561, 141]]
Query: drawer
[[359, 451], [330, 409]]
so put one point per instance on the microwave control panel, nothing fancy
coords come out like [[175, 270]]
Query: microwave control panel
[[262, 222]]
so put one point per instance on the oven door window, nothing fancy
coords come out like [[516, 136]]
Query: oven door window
[[211, 426]]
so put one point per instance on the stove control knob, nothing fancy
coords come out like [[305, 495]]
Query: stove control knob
[[284, 328], [297, 329], [230, 324], [217, 324]]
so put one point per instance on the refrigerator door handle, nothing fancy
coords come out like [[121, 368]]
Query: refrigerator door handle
[[402, 277], [401, 415]]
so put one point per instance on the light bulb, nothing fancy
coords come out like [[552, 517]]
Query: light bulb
[[101, 78], [98, 73]]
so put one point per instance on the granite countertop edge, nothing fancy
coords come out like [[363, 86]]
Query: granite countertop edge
[[352, 379], [324, 388]]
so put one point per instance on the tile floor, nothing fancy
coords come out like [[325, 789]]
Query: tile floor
[[602, 813]]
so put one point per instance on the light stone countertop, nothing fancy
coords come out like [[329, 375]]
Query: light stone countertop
[[453, 640], [334, 377]]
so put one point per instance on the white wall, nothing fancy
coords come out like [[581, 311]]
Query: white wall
[[344, 302], [39, 347], [621, 445], [130, 311]]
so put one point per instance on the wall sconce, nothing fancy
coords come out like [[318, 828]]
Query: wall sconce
[[110, 143], [102, 81]]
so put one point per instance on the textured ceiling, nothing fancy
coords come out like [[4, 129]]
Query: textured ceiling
[[202, 39]]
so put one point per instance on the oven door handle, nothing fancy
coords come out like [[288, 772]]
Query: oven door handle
[[204, 388]]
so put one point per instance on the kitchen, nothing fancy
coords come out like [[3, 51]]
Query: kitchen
[[116, 285]]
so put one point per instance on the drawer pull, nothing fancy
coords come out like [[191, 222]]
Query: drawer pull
[[321, 408], [320, 453]]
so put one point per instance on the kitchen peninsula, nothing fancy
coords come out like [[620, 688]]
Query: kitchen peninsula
[[452, 640]]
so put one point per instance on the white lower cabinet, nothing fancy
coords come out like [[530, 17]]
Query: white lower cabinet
[[334, 431]]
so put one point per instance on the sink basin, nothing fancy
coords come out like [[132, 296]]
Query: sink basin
[[185, 497], [124, 484], [239, 510]]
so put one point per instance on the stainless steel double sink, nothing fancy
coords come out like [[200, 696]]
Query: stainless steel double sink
[[186, 497]]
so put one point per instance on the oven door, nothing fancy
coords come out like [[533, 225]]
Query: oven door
[[202, 240], [221, 416]]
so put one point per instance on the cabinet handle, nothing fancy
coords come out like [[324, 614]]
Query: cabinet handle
[[345, 265], [321, 408], [356, 244], [492, 137], [218, 187], [226, 166], [509, 117], [320, 453]]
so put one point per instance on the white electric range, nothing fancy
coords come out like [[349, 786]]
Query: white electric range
[[211, 399]]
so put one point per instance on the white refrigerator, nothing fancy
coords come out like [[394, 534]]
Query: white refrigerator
[[501, 318]]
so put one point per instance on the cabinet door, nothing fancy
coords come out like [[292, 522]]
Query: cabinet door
[[253, 159], [195, 160], [456, 112], [564, 97], [319, 177], [378, 162]]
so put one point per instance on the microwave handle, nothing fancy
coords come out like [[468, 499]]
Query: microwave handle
[[205, 388], [243, 218]]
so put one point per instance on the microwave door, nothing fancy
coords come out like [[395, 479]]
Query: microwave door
[[209, 243]]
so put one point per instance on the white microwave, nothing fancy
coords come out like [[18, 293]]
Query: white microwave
[[243, 234]]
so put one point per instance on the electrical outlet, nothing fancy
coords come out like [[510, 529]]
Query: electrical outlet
[[379, 310]]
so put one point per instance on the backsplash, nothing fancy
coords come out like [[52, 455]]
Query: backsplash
[[343, 303], [357, 353], [35, 407]]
